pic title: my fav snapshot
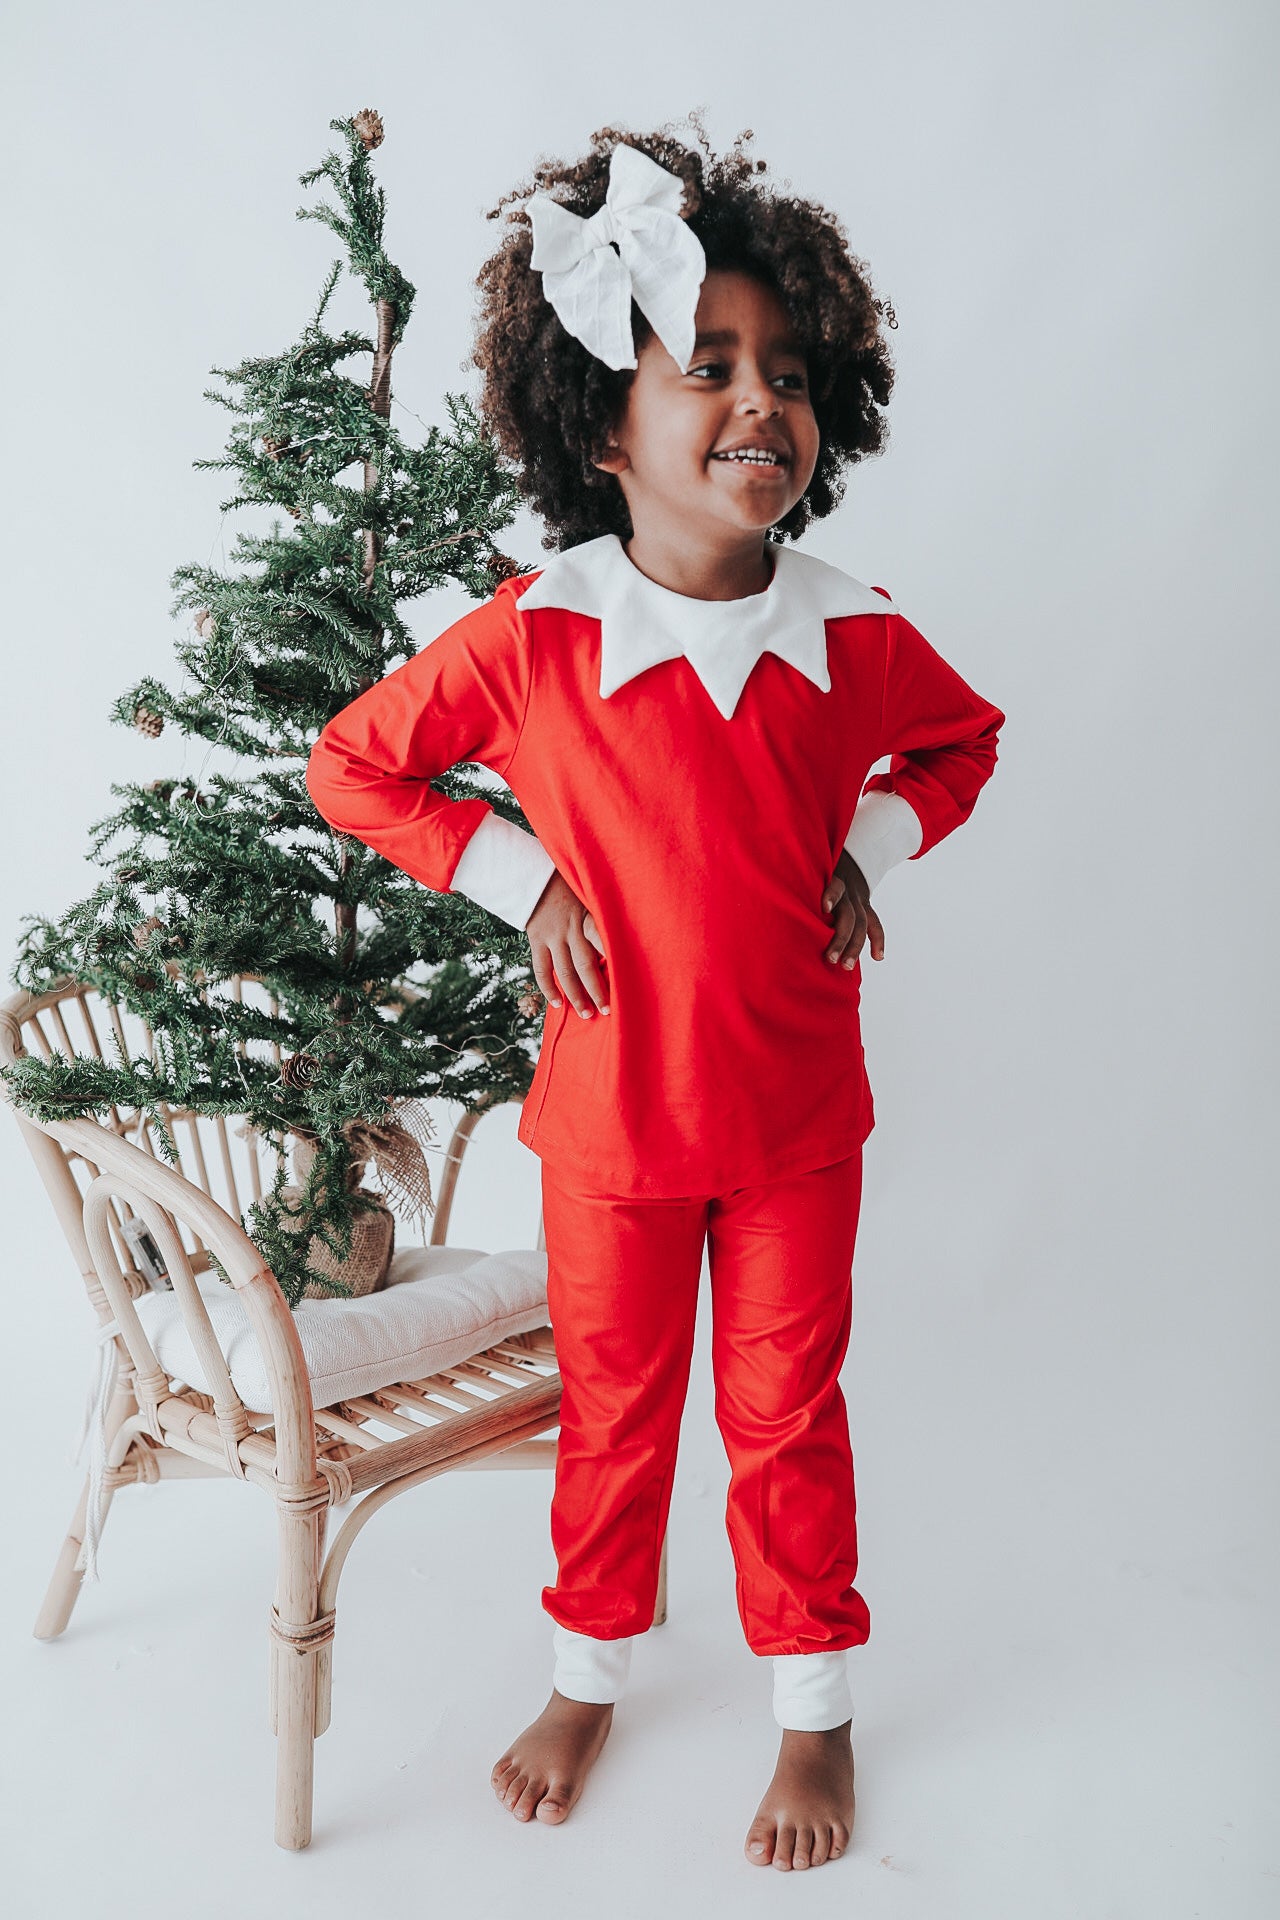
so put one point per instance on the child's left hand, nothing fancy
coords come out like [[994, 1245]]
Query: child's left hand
[[849, 897]]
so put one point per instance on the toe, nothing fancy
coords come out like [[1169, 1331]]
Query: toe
[[802, 1853], [527, 1800], [553, 1806], [785, 1847], [821, 1847], [760, 1842]]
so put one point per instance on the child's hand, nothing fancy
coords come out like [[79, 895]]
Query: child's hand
[[563, 943], [849, 897]]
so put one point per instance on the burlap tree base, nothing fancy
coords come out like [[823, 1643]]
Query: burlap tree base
[[372, 1239]]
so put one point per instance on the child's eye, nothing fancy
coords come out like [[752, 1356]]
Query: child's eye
[[718, 366]]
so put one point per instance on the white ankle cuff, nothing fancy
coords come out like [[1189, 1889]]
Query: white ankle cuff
[[811, 1690], [590, 1669]]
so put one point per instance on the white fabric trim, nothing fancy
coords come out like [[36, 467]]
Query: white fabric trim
[[590, 1669], [886, 829], [810, 1690], [643, 623], [504, 869], [95, 1430]]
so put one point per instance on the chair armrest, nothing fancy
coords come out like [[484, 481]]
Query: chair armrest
[[161, 1196]]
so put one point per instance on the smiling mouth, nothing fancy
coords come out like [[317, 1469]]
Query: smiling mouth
[[754, 462]]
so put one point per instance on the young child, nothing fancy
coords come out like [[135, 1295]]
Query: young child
[[687, 710]]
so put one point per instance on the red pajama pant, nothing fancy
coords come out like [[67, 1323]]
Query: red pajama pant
[[622, 1287]]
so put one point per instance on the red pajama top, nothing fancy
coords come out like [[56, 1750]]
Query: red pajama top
[[700, 832]]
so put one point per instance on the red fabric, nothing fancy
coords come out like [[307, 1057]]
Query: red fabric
[[700, 846], [622, 1287]]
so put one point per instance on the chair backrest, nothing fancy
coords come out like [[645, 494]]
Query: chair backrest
[[225, 1159]]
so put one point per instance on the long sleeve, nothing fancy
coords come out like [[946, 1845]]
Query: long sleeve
[[463, 698], [939, 733]]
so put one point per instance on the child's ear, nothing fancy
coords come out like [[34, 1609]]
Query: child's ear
[[613, 459]]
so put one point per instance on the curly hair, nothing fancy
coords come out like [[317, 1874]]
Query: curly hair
[[548, 403]]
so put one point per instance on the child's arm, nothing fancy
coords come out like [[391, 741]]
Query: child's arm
[[463, 698], [941, 738]]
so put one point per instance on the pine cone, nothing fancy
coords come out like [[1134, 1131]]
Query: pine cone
[[206, 625], [531, 1002], [152, 724], [143, 931], [368, 124], [299, 1071], [502, 566], [274, 448]]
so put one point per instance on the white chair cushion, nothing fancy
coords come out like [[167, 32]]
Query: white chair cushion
[[439, 1305]]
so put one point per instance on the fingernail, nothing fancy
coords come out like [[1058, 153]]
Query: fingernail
[[604, 1009], [555, 1003], [585, 1012]]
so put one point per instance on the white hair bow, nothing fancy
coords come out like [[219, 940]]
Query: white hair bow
[[660, 262]]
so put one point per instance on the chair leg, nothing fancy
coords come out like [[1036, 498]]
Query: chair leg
[[660, 1610], [64, 1588], [297, 1636]]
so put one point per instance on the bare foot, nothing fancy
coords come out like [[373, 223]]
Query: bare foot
[[806, 1816], [545, 1769]]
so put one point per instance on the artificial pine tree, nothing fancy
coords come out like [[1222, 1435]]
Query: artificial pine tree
[[388, 993]]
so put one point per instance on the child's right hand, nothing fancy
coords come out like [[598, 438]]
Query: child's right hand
[[563, 946]]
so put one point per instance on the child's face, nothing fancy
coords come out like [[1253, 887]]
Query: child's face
[[749, 385]]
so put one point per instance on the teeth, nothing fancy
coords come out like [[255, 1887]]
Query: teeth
[[753, 459]]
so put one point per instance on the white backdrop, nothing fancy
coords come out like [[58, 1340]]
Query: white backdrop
[[1060, 1378]]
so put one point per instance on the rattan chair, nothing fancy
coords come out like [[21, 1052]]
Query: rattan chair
[[126, 1213]]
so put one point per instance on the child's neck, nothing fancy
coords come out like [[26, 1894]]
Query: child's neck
[[730, 569]]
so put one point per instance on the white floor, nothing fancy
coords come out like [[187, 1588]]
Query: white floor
[[1061, 1710]]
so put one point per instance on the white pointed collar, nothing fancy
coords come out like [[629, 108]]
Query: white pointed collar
[[642, 623]]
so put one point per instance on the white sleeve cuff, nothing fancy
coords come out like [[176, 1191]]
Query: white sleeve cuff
[[504, 869], [886, 829]]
